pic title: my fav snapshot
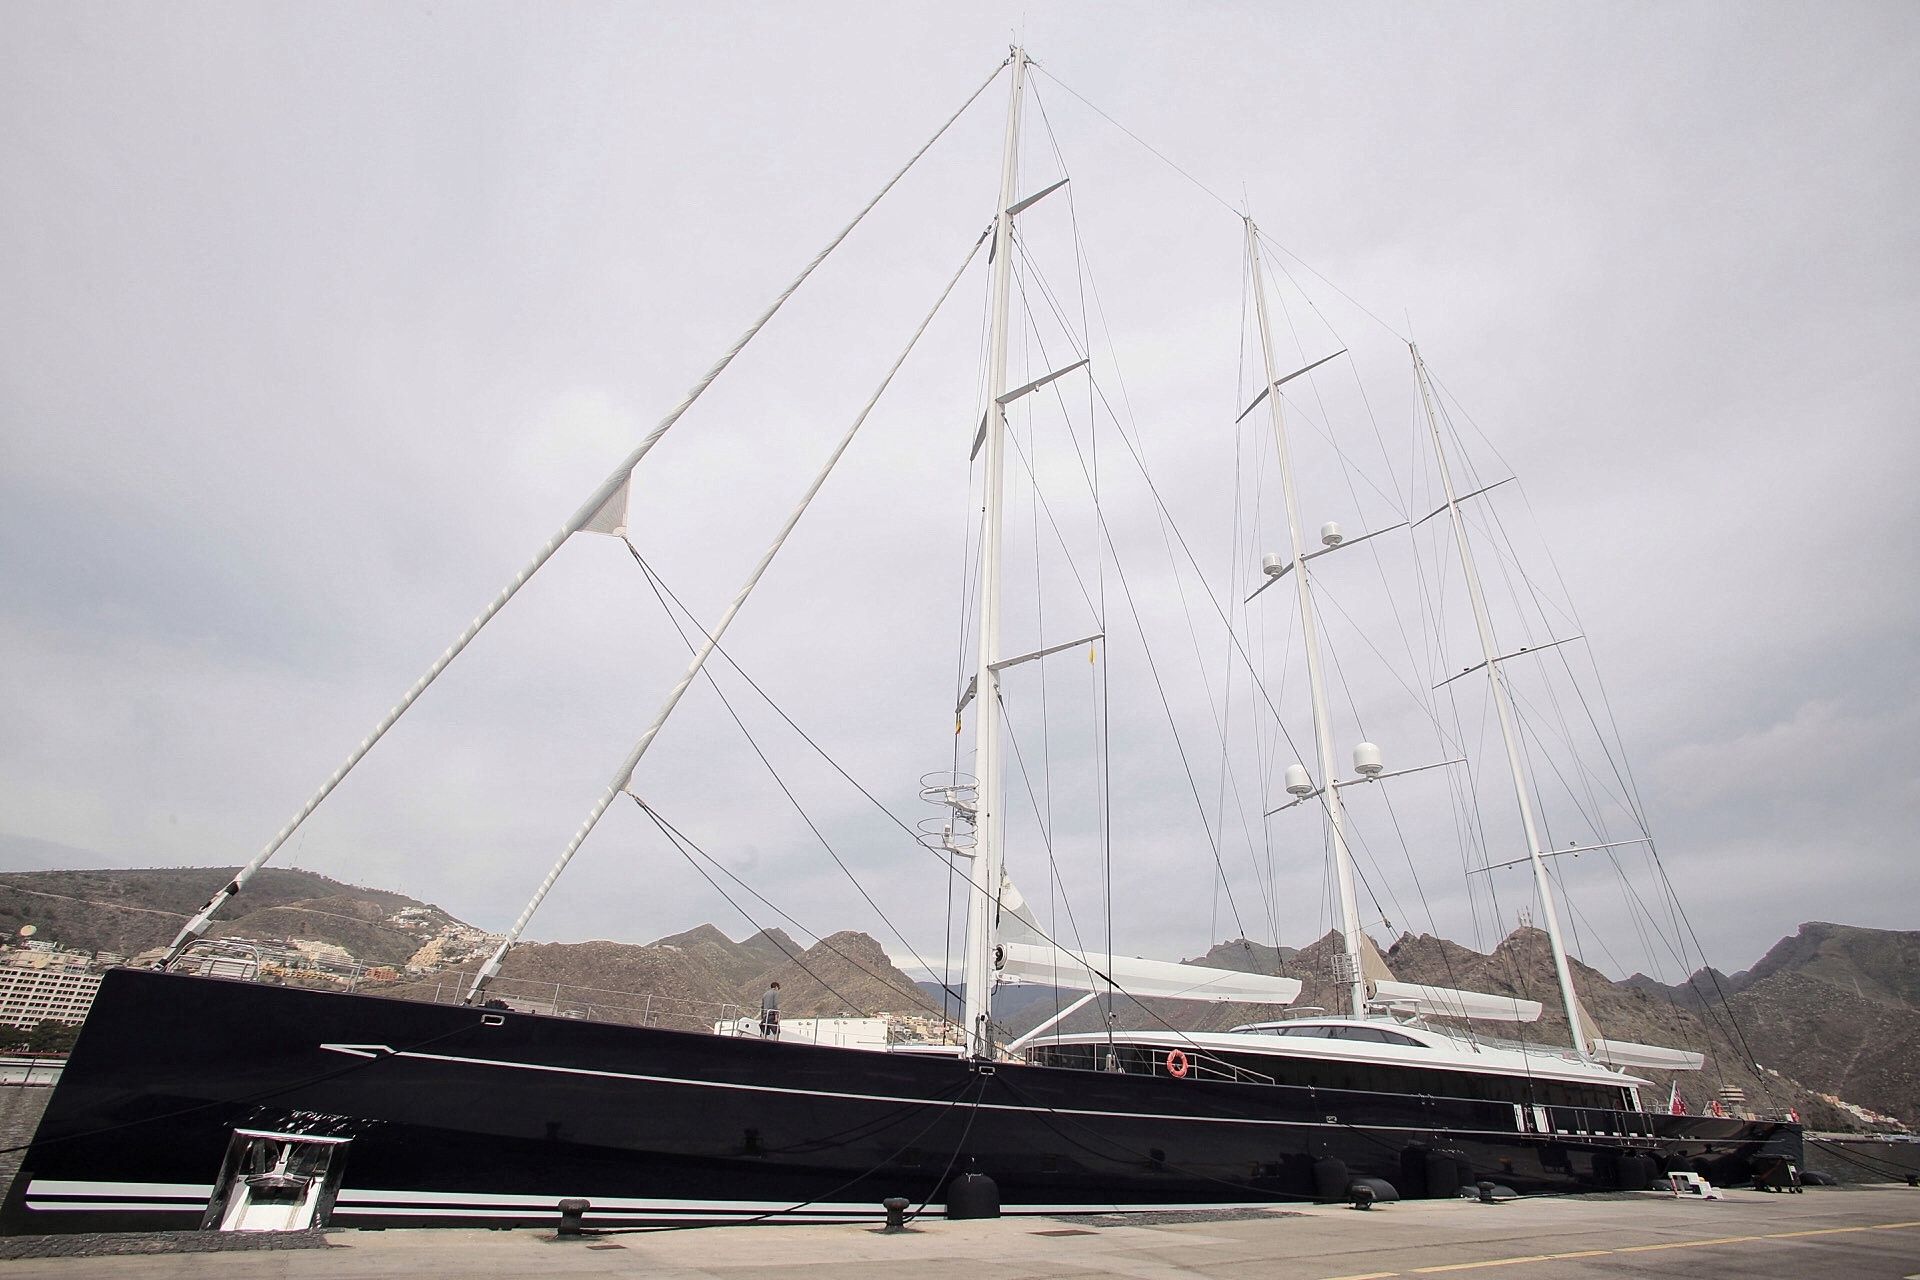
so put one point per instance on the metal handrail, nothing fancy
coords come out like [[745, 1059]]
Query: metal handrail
[[558, 999], [1224, 1070]]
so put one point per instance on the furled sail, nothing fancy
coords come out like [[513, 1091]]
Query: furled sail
[[1438, 1002], [1162, 979], [1025, 955], [1625, 1053]]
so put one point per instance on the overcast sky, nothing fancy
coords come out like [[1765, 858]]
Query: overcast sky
[[319, 319]]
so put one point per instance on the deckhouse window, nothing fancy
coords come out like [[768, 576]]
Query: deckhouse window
[[1374, 1035]]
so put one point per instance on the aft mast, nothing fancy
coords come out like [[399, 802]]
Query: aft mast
[[985, 870], [1310, 637], [1503, 704]]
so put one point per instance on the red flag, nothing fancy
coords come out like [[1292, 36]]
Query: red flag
[[1675, 1104], [1793, 1116]]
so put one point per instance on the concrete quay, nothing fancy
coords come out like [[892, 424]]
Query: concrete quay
[[1839, 1232]]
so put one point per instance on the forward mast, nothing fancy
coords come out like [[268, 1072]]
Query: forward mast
[[985, 870]]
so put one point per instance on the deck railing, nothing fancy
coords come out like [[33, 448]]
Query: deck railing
[[564, 1000], [253, 962]]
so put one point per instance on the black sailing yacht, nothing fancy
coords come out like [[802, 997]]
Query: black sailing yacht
[[193, 1102], [205, 1102]]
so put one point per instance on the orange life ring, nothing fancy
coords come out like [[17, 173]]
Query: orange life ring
[[1177, 1065]]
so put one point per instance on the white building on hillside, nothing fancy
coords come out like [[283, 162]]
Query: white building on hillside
[[30, 996]]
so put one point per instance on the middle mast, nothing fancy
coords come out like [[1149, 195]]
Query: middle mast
[[984, 872], [1354, 973]]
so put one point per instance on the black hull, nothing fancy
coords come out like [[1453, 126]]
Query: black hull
[[458, 1117]]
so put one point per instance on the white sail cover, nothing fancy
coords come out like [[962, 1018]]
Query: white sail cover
[[1025, 955], [1445, 1002], [1163, 979], [1625, 1053]]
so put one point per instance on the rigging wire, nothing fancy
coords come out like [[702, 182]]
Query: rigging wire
[[687, 848], [623, 778], [1488, 695], [772, 770], [1627, 794], [1214, 708], [1166, 521], [1265, 760], [1097, 671], [1020, 762], [1105, 541], [575, 523], [681, 839], [1592, 809], [1038, 281], [1103, 976], [1386, 793], [1281, 249], [1157, 154]]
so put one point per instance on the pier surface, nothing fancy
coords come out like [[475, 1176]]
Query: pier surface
[[1861, 1231]]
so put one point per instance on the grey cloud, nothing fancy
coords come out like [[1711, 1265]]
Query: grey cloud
[[320, 320]]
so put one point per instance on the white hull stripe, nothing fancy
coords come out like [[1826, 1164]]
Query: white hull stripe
[[113, 1206], [364, 1051], [149, 1190], [341, 1214], [673, 1209]]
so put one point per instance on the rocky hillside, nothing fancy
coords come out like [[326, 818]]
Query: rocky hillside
[[129, 912], [417, 950], [1834, 1007], [688, 981]]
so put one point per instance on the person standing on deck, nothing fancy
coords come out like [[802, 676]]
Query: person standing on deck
[[770, 1012]]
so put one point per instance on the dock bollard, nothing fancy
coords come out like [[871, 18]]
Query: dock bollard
[[571, 1211], [896, 1207], [1364, 1193]]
